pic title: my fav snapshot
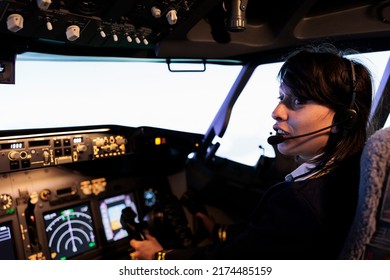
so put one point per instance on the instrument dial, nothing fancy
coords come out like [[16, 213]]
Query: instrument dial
[[5, 202]]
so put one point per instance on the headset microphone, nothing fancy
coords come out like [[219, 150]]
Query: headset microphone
[[277, 139]]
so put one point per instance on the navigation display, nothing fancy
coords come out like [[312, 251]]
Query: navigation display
[[7, 245], [111, 210], [70, 231]]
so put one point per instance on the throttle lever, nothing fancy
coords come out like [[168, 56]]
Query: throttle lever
[[134, 229]]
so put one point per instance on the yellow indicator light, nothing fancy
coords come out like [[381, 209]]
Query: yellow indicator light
[[157, 141]]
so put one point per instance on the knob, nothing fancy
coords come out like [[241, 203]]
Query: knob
[[13, 155], [81, 148], [45, 194], [172, 17], [73, 32], [156, 12], [120, 140], [34, 198], [14, 22], [99, 142], [5, 201], [44, 4], [46, 157], [113, 147]]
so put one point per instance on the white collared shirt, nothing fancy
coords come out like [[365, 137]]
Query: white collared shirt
[[304, 168]]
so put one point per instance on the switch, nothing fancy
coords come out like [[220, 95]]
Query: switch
[[44, 4], [73, 32], [49, 25], [15, 22], [102, 33], [172, 17], [156, 12], [128, 38]]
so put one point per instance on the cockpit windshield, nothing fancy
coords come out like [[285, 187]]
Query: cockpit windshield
[[58, 91]]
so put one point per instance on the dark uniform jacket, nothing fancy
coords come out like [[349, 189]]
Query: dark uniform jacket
[[306, 219]]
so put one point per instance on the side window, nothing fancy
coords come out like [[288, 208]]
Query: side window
[[251, 122]]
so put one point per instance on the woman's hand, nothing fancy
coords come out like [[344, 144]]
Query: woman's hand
[[145, 249]]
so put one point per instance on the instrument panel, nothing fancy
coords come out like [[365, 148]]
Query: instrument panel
[[68, 216], [62, 191], [39, 150]]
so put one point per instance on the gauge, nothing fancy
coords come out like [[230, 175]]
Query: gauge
[[150, 198], [5, 202], [70, 231]]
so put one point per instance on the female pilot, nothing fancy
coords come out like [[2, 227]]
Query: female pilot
[[321, 119]]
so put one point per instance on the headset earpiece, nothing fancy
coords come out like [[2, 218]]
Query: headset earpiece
[[350, 118]]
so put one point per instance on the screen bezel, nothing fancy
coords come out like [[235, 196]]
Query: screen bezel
[[11, 244], [109, 232], [58, 211]]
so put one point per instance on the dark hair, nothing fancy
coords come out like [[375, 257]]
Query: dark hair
[[323, 74]]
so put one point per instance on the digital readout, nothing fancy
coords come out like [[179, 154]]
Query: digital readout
[[77, 140], [16, 145]]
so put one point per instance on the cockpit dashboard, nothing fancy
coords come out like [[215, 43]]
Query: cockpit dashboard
[[62, 191]]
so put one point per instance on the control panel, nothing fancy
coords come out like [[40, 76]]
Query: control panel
[[123, 23], [58, 214], [62, 190], [46, 149]]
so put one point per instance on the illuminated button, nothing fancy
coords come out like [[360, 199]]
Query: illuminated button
[[14, 165], [57, 143], [67, 151], [157, 141], [58, 152], [26, 163]]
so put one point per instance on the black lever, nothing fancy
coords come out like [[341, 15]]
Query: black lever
[[134, 229], [192, 201]]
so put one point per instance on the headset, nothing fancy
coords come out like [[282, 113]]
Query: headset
[[347, 119]]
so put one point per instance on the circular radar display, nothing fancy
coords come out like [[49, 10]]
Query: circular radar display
[[70, 232]]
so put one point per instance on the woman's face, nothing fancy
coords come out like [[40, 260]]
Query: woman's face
[[296, 117]]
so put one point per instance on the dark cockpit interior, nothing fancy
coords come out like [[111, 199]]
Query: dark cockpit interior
[[63, 188]]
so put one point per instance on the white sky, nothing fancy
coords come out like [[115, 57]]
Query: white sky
[[60, 94]]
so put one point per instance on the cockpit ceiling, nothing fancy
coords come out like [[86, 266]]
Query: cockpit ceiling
[[228, 29]]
